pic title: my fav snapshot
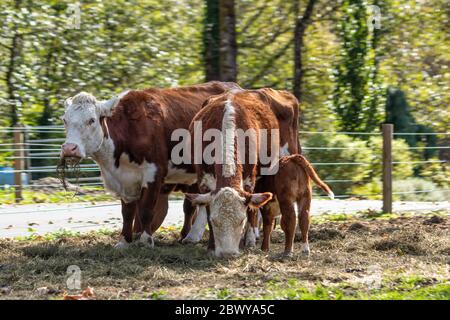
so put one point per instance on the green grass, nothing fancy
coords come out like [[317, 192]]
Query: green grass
[[35, 196], [403, 288], [93, 194]]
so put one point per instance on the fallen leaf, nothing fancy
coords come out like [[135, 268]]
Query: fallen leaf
[[85, 295]]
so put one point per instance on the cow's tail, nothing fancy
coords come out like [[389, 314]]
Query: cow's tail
[[306, 165]]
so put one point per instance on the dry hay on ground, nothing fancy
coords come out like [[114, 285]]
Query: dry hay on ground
[[351, 258]]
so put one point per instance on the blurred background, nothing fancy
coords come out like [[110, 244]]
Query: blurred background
[[353, 65]]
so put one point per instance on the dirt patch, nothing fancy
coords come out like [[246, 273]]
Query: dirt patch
[[434, 220], [350, 255], [325, 233]]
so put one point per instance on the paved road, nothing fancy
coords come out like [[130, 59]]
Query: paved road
[[21, 220]]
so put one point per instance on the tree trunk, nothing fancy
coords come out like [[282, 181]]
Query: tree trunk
[[211, 41], [301, 23], [228, 45], [15, 52]]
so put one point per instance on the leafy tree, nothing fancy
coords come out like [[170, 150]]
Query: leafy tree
[[398, 113], [355, 96]]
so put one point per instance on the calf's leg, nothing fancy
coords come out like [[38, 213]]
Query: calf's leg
[[268, 221], [304, 205], [288, 222]]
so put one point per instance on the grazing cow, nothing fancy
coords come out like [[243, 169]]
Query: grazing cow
[[291, 184], [284, 106], [129, 137], [229, 183]]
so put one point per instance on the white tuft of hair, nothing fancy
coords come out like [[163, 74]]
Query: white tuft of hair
[[228, 133], [331, 195]]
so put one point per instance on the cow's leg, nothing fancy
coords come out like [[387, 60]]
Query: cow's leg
[[268, 221], [211, 243], [137, 225], [147, 205], [161, 208], [189, 212], [288, 222], [128, 213], [304, 205], [198, 228]]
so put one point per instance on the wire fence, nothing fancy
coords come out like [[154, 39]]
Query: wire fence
[[39, 157]]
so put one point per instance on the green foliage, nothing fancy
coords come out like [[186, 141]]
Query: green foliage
[[415, 189], [438, 173], [365, 174], [347, 150], [401, 156], [356, 96], [398, 113]]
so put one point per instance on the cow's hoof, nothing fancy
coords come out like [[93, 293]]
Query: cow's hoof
[[190, 240], [288, 255], [147, 240], [122, 244], [305, 250]]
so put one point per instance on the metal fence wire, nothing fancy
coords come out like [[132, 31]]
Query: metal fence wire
[[37, 157]]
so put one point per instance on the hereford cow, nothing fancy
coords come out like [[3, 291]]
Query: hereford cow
[[291, 184], [129, 136], [231, 180]]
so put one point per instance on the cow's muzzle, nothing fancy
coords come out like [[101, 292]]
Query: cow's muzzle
[[70, 150]]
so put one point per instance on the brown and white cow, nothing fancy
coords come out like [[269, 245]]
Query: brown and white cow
[[129, 137], [231, 180], [290, 185]]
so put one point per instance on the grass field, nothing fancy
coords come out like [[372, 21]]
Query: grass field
[[369, 256]]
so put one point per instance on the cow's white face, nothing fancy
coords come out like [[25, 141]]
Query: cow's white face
[[84, 134], [228, 215]]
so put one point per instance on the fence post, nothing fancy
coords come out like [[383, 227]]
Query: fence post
[[27, 161], [387, 130], [18, 161]]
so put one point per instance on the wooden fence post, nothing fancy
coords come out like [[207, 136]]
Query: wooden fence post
[[27, 147], [18, 161], [387, 130]]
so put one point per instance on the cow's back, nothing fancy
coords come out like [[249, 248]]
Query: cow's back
[[285, 107]]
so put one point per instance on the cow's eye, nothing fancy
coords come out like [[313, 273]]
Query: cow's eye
[[91, 121]]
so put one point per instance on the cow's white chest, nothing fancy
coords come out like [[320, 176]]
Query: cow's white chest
[[129, 178], [179, 176]]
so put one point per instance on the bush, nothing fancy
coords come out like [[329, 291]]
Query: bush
[[365, 178], [439, 173], [412, 185], [355, 173], [400, 153]]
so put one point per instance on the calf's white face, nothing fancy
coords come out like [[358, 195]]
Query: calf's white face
[[84, 134], [228, 215]]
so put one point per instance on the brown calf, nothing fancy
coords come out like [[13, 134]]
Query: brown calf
[[292, 184]]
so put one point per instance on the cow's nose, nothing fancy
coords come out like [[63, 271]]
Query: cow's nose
[[229, 255], [70, 150]]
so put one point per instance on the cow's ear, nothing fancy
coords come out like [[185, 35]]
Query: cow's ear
[[67, 103], [199, 198], [257, 200], [106, 107]]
